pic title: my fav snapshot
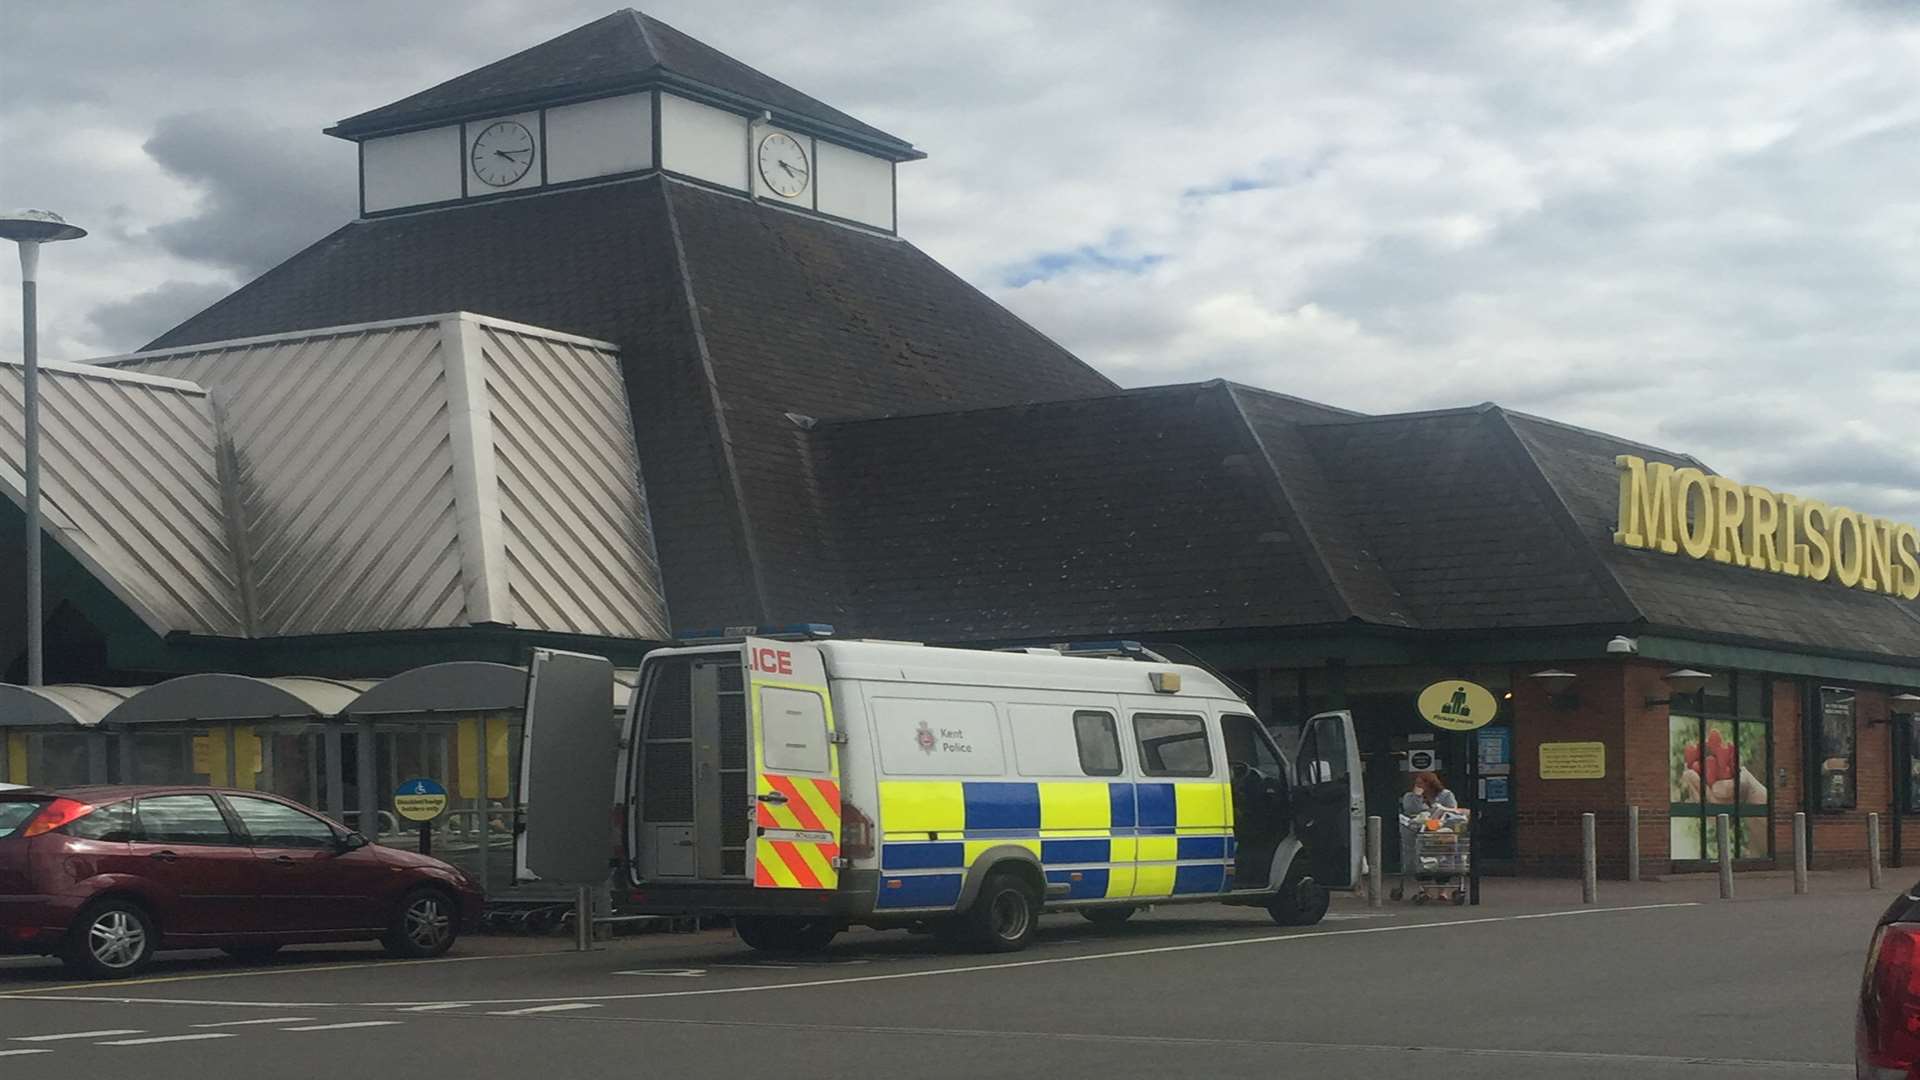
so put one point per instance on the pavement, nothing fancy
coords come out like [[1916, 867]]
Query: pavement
[[1660, 980]]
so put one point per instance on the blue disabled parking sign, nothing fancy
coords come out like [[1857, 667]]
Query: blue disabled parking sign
[[420, 799]]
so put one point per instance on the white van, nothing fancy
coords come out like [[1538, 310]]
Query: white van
[[802, 786]]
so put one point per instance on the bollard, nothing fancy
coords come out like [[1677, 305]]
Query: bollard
[[1633, 843], [1873, 851], [1374, 874], [1800, 854], [583, 919], [1589, 875], [1725, 824]]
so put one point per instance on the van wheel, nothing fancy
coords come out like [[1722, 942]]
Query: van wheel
[[785, 936], [1004, 915], [1108, 916], [111, 940], [1301, 901], [424, 925]]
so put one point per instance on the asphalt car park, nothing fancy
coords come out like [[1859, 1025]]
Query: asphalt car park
[[1659, 983]]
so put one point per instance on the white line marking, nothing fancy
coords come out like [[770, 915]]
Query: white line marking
[[749, 967], [343, 1027], [1229, 943], [671, 973], [17, 1053], [169, 1038], [569, 1007], [246, 1023], [78, 1035], [437, 1008]]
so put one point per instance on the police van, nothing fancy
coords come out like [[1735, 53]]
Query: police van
[[802, 786]]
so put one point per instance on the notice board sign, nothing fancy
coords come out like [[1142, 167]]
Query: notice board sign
[[1573, 761]]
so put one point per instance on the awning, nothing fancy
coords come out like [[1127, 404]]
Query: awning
[[459, 686], [67, 705], [237, 697]]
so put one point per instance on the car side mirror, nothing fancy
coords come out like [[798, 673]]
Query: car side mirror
[[351, 842]]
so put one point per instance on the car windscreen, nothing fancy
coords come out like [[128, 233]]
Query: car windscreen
[[15, 812]]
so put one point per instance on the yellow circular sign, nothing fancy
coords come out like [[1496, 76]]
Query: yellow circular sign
[[1457, 705]]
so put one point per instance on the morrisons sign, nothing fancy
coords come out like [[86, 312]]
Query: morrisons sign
[[1690, 512]]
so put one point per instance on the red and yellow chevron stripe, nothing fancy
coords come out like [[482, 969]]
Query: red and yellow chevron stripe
[[785, 857]]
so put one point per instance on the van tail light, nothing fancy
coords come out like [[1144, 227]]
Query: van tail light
[[1889, 1029], [856, 832], [55, 814]]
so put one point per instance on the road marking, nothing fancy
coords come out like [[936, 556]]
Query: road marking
[[569, 1007], [343, 1027], [671, 973], [1265, 939], [169, 1039], [749, 967], [78, 1035], [17, 1053], [437, 1008], [282, 969], [246, 1023]]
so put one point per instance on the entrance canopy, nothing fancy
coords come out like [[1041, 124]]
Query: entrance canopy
[[71, 705]]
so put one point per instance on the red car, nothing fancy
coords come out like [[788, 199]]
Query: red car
[[105, 876]]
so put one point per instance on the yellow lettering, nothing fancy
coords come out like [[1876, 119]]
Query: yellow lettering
[[1877, 572], [1790, 546], [1763, 521], [1693, 519], [1731, 501], [1848, 558], [1646, 505], [1906, 547], [1819, 562]]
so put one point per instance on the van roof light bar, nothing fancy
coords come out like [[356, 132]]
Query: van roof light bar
[[788, 632], [1129, 650]]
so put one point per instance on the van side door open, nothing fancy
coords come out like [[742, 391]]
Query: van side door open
[[796, 767], [1329, 802]]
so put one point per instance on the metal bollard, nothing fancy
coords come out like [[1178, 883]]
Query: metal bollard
[[1873, 851], [1633, 843], [1374, 873], [1725, 824], [1800, 853], [1589, 863]]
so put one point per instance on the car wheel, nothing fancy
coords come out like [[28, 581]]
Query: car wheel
[[424, 925], [111, 940], [785, 936], [251, 954], [1004, 915], [1108, 916], [1301, 901]]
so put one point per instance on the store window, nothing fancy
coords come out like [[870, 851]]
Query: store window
[[1907, 726], [1719, 758], [1834, 749]]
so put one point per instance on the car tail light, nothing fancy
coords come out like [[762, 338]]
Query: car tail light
[[1890, 1001], [856, 832], [55, 814]]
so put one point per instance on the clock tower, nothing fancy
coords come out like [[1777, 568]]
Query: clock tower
[[622, 96]]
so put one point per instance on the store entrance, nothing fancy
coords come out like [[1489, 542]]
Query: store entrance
[[1393, 738]]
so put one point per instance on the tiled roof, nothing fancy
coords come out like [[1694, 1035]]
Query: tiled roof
[[617, 53]]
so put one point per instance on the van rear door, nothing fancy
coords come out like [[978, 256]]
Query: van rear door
[[796, 767], [567, 750], [1329, 801]]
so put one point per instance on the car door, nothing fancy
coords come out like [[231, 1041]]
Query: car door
[[307, 884], [200, 872], [1329, 802]]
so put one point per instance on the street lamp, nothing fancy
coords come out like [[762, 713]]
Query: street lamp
[[30, 229]]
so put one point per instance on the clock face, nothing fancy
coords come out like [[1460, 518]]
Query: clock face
[[502, 153], [783, 165]]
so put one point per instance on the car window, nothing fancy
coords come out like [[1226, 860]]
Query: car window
[[182, 819], [15, 812], [1172, 745], [113, 824], [272, 824]]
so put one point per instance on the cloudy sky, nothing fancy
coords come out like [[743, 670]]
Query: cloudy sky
[[1692, 224]]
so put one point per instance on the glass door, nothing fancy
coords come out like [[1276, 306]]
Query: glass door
[[1715, 766]]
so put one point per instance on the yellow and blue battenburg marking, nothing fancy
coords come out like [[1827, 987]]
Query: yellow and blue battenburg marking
[[1103, 840]]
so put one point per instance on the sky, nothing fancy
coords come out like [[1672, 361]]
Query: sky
[[1696, 225]]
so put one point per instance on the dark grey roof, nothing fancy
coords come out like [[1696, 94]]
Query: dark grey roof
[[728, 315], [619, 53]]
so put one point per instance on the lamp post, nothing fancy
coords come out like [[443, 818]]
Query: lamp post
[[29, 229]]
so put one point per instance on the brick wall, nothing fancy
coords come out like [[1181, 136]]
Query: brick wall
[[1547, 818]]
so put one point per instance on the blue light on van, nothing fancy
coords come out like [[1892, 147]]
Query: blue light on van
[[735, 633]]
